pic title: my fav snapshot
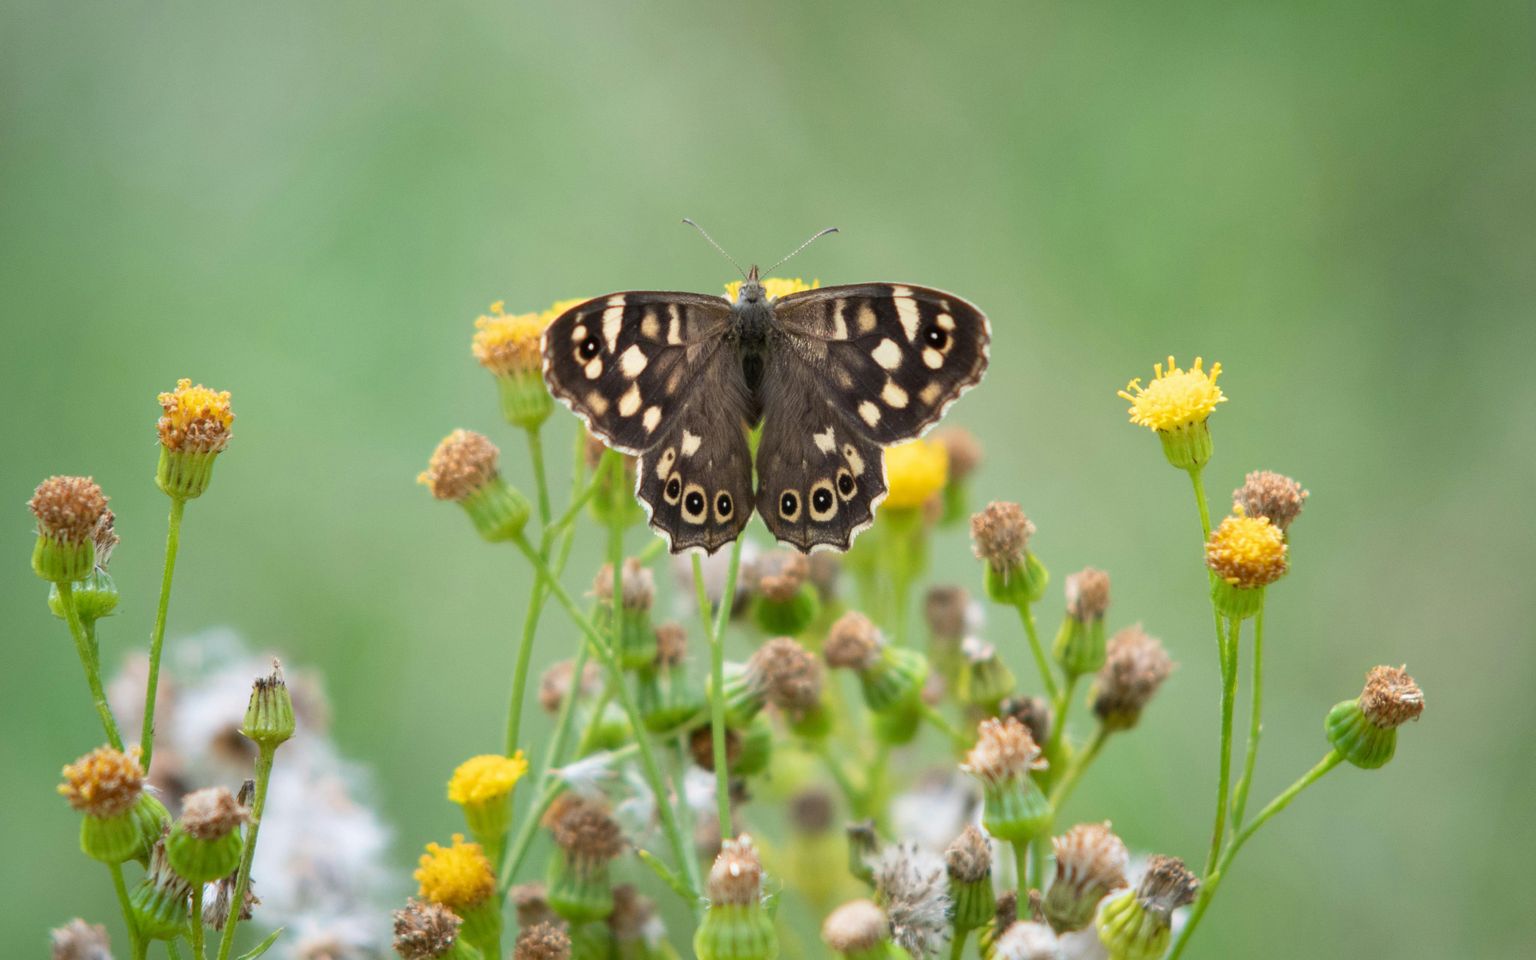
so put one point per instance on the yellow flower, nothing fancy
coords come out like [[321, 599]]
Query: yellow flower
[[508, 343], [458, 877], [103, 783], [1175, 398], [196, 419], [915, 471], [1247, 552], [775, 287], [486, 778], [559, 307]]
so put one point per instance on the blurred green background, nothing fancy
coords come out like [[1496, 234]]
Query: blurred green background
[[307, 204]]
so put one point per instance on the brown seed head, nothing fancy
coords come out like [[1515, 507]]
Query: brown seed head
[[1087, 595], [530, 902], [969, 857], [1135, 665], [778, 575], [811, 811], [1167, 885], [633, 913], [78, 940], [1033, 712], [68, 509], [947, 609], [1000, 535], [216, 913], [557, 680], [461, 465], [1391, 698], [964, 452], [103, 783], [671, 644], [1007, 912], [639, 585], [196, 419], [855, 927], [1004, 751], [543, 941], [787, 674], [425, 931], [211, 814], [1265, 493], [737, 876], [701, 747], [910, 884], [106, 538], [583, 829], [852, 642], [1089, 857]]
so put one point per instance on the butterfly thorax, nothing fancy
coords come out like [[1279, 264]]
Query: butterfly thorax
[[752, 329]]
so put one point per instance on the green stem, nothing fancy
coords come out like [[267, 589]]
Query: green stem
[[834, 766], [1213, 878], [243, 877], [875, 788], [172, 950], [1021, 866], [1059, 727], [121, 886], [1196, 479], [1255, 725], [941, 723], [649, 766], [540, 480], [90, 663], [157, 639], [957, 944], [685, 812], [1080, 762], [1224, 762], [197, 922], [535, 599], [1027, 614], [716, 701]]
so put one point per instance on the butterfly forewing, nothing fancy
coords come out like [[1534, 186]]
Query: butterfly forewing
[[894, 355], [626, 362]]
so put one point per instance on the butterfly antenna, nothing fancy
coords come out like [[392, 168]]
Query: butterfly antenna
[[717, 247], [798, 249]]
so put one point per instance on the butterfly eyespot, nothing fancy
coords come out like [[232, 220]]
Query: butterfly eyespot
[[845, 484], [589, 348], [673, 489], [723, 506], [823, 503], [694, 503], [789, 505], [935, 337]]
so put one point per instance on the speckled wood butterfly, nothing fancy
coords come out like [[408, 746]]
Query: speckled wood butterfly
[[832, 374]]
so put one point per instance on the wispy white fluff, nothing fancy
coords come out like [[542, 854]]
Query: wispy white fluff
[[911, 885], [934, 811]]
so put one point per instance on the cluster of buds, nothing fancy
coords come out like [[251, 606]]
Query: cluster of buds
[[890, 677], [1000, 536], [1014, 809]]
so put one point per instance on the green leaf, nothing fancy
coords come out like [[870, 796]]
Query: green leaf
[[678, 884], [263, 946]]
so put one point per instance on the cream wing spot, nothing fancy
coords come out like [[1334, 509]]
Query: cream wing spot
[[906, 311], [597, 402], [932, 358], [632, 361], [869, 413], [613, 321], [629, 404], [931, 393], [893, 395], [594, 368], [826, 441], [650, 327], [651, 418], [691, 442], [578, 333], [665, 461], [855, 462], [887, 354], [822, 501], [866, 320], [839, 325], [945, 321], [674, 325]]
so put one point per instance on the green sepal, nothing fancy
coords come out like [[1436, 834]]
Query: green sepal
[[972, 904], [814, 723], [1080, 646], [525, 401], [202, 861], [611, 730], [1015, 810], [1187, 447], [59, 561], [736, 931], [743, 700], [184, 475], [591, 941], [984, 683], [1357, 739], [899, 724], [127, 836], [1129, 932], [95, 597], [667, 699], [578, 891], [893, 679], [787, 618], [1235, 602], [756, 748], [499, 512], [1019, 584], [482, 925], [160, 910]]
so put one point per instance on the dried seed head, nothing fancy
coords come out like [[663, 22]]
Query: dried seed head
[[424, 930], [855, 927], [787, 673], [1166, 886], [964, 452], [701, 747], [212, 814], [557, 680], [1000, 535], [1391, 698], [1007, 910], [778, 575], [584, 830], [105, 537], [633, 914], [812, 811], [639, 585], [969, 858], [543, 941], [1033, 712], [530, 902], [1004, 751], [68, 509], [852, 642], [103, 783], [216, 914], [947, 608], [1087, 595], [196, 420], [1090, 855], [737, 876], [1274, 496], [1135, 666], [1247, 552], [461, 465], [910, 885], [78, 940], [671, 644]]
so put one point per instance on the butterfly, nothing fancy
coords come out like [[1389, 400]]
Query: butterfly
[[832, 375]]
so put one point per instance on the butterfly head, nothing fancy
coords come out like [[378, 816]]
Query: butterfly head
[[751, 289]]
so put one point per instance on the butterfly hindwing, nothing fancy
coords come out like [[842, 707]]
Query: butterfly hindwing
[[696, 480], [625, 362], [894, 356], [819, 475]]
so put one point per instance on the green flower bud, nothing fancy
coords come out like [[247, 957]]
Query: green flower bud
[[69, 511], [667, 697], [1000, 535], [463, 469], [587, 840], [95, 597], [637, 640], [205, 844], [1080, 643], [785, 603], [1364, 730], [525, 401], [968, 862], [984, 679], [269, 715], [590, 941], [121, 819], [1136, 925], [1013, 807], [160, 902], [736, 926], [889, 676]]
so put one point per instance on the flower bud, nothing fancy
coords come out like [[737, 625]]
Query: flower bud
[[1364, 730], [1034, 712], [968, 861], [463, 469], [736, 926], [859, 930], [543, 941], [781, 672], [587, 841], [636, 645], [666, 696], [1090, 863], [1136, 925], [1013, 807], [483, 787], [984, 678], [68, 510], [161, 901], [193, 431], [785, 603], [122, 820], [1135, 666], [891, 677], [965, 455], [1273, 496], [1080, 643], [269, 716], [205, 844], [1000, 536], [430, 931]]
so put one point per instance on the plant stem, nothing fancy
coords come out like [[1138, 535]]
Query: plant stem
[[1196, 479], [173, 951], [197, 922], [957, 944], [243, 877], [941, 723], [685, 818], [1021, 866], [118, 884], [834, 766], [1053, 744], [535, 598], [540, 480], [1074, 771], [90, 662], [610, 661], [716, 701], [1047, 679], [1224, 762], [157, 639], [1255, 725], [1213, 878]]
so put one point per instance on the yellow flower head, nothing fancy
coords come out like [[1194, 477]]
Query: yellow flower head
[[775, 287], [1175, 398], [458, 877], [103, 783], [915, 472], [196, 419], [508, 343], [486, 778], [1247, 552]]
